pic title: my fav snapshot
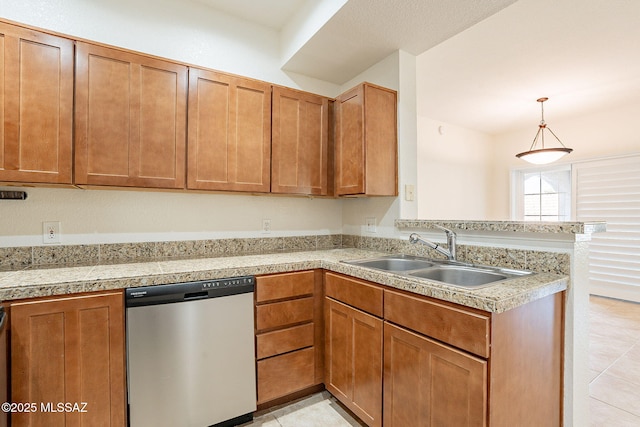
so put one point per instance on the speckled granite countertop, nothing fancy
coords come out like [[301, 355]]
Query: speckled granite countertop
[[31, 283], [555, 227]]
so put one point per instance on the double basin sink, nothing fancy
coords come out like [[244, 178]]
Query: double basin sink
[[449, 272]]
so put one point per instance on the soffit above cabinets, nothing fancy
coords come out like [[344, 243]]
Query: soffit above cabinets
[[337, 39], [363, 32]]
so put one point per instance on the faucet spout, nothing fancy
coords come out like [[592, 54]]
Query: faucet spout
[[450, 253]]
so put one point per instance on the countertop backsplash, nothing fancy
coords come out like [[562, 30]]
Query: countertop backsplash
[[19, 258]]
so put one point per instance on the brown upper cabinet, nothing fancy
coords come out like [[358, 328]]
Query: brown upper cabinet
[[299, 142], [36, 111], [366, 142], [229, 132], [142, 121], [130, 119]]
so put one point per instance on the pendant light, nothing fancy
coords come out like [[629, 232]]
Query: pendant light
[[543, 155]]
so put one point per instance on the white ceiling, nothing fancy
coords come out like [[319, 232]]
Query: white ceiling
[[581, 54], [481, 64]]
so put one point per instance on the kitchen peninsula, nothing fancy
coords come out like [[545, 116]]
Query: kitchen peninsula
[[555, 251]]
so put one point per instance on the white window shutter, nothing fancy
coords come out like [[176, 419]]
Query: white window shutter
[[609, 190]]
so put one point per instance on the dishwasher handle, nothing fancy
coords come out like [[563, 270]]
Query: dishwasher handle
[[196, 296]]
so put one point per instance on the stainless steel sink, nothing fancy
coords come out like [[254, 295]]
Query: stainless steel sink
[[449, 272], [393, 263], [460, 276]]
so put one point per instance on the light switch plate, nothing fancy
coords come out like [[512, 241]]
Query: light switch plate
[[370, 225], [409, 192]]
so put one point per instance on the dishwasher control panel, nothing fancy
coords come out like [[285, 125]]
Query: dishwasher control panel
[[227, 283], [188, 291]]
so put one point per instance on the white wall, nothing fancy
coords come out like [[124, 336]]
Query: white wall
[[453, 171], [191, 33], [407, 134], [103, 216], [608, 133]]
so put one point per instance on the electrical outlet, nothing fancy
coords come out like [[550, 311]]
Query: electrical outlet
[[51, 232], [370, 225], [266, 226]]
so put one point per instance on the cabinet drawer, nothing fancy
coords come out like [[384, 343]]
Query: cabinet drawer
[[356, 293], [280, 286], [282, 375], [460, 328], [284, 340], [279, 314]]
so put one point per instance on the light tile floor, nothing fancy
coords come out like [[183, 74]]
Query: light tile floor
[[614, 363], [317, 410]]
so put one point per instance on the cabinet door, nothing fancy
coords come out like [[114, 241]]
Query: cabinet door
[[69, 350], [36, 106], [299, 141], [428, 384], [353, 360], [229, 132], [130, 119], [366, 142], [350, 148]]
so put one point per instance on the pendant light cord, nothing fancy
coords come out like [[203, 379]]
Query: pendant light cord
[[542, 127]]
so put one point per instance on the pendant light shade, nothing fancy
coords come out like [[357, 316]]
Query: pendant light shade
[[542, 155]]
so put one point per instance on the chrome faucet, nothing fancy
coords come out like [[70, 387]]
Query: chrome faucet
[[451, 242]]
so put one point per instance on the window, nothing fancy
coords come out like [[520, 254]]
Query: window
[[542, 194]]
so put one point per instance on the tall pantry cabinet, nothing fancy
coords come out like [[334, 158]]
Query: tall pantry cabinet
[[36, 106]]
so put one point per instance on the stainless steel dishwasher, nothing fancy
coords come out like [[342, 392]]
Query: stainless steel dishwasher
[[190, 353]]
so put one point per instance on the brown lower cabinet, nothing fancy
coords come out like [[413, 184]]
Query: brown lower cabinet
[[69, 350], [289, 335], [353, 345], [427, 383], [443, 364], [440, 364], [354, 360]]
